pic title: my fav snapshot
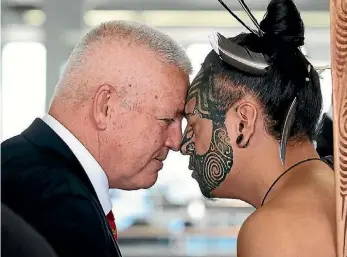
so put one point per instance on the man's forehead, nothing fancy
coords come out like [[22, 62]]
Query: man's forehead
[[169, 110]]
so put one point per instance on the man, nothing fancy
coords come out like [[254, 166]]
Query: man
[[252, 115], [115, 115]]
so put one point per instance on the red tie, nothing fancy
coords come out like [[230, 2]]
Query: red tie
[[112, 223]]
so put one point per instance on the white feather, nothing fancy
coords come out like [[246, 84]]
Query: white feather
[[214, 42]]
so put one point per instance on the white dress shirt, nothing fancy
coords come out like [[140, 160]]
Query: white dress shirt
[[92, 168]]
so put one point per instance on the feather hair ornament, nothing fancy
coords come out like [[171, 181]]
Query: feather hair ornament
[[288, 124], [239, 56]]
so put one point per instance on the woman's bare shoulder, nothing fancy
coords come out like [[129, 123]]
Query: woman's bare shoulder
[[279, 231]]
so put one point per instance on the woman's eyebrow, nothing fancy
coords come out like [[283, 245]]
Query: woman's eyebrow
[[187, 115]]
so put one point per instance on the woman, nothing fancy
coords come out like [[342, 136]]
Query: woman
[[253, 113]]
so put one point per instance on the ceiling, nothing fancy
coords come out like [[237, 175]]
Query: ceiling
[[186, 20], [303, 5]]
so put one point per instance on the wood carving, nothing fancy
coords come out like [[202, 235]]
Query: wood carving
[[338, 14]]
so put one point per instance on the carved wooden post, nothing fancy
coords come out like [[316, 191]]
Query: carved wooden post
[[338, 15]]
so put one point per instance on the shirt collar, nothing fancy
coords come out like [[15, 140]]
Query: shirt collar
[[92, 168]]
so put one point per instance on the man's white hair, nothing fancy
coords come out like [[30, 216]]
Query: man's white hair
[[163, 45]]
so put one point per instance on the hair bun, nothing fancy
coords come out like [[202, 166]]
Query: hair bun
[[282, 24]]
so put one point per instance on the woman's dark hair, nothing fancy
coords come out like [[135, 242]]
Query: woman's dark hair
[[290, 74]]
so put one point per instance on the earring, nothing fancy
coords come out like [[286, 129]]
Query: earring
[[239, 139]]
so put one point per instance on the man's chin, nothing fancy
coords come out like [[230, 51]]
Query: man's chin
[[150, 181], [140, 182]]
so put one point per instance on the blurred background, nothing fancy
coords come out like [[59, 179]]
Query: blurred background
[[172, 218]]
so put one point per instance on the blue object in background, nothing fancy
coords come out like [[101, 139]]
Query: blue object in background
[[203, 245]]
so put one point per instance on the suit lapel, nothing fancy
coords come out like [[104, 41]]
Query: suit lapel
[[43, 137]]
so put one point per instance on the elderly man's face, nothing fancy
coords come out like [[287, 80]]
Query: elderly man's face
[[147, 121], [206, 137]]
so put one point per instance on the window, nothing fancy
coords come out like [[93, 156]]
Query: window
[[23, 86]]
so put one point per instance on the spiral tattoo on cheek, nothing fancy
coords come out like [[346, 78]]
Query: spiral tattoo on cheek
[[213, 167]]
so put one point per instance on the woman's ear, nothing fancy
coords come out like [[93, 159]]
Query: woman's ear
[[246, 114]]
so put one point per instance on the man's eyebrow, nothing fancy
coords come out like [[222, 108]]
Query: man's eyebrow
[[180, 112]]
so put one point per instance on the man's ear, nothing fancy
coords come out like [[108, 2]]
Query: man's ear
[[246, 113], [102, 106]]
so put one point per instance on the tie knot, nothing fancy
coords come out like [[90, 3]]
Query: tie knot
[[110, 216]]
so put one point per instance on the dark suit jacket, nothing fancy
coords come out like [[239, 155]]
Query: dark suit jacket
[[19, 239], [43, 182]]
